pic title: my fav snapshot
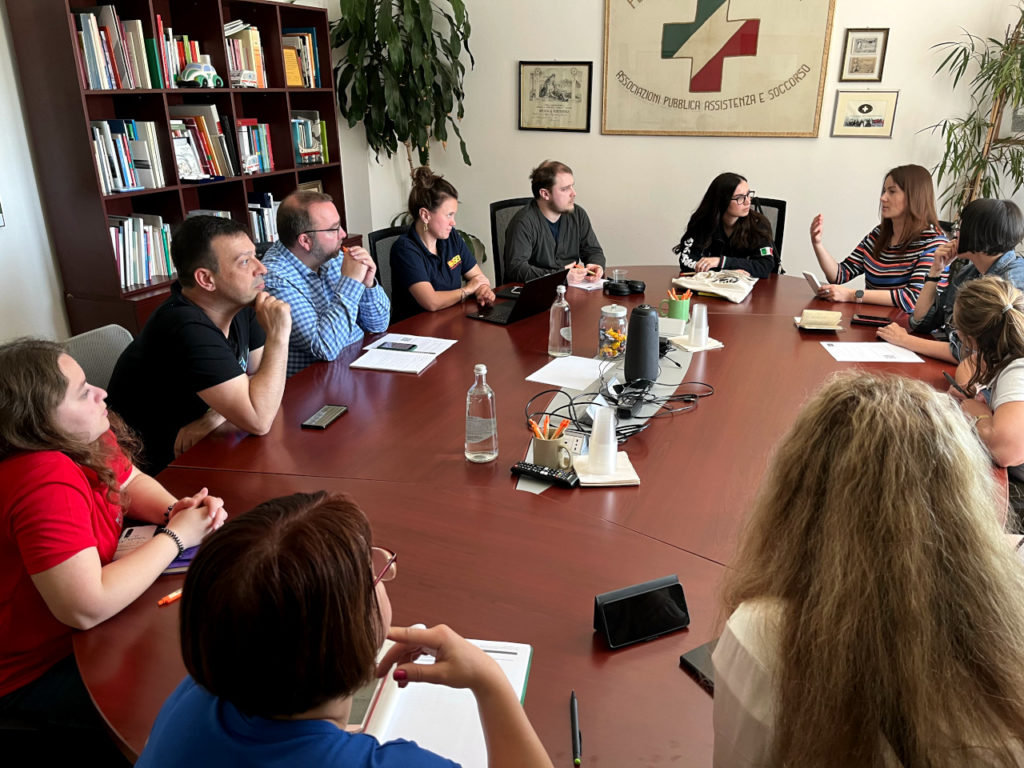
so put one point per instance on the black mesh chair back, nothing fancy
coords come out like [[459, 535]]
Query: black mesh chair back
[[380, 243], [502, 212], [775, 211]]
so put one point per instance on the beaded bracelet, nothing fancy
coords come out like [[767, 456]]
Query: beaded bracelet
[[175, 537]]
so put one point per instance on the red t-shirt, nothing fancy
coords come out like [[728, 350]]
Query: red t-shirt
[[50, 509]]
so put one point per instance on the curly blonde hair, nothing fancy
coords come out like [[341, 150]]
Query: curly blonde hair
[[876, 528]]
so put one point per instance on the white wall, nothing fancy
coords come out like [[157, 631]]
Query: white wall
[[639, 190], [30, 290]]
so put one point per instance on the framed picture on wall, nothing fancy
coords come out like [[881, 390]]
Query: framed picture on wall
[[555, 95], [864, 55], [865, 114], [313, 186]]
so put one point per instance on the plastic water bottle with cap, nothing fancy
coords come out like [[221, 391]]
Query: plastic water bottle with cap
[[560, 329], [481, 419]]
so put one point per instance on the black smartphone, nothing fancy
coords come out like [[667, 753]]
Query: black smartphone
[[954, 385], [397, 346], [876, 320], [697, 664]]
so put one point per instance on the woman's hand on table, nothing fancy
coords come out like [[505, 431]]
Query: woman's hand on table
[[836, 293], [894, 333], [708, 263], [192, 517]]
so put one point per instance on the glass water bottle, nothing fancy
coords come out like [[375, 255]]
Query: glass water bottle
[[481, 419], [560, 329]]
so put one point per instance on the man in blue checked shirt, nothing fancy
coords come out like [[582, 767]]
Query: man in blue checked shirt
[[334, 300]]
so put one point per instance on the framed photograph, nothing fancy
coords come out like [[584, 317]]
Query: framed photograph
[[315, 186], [555, 95], [715, 68], [865, 114], [864, 55]]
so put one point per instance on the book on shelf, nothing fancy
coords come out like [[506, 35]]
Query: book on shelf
[[208, 212], [208, 122], [114, 52], [142, 248], [303, 39], [263, 217], [245, 54], [306, 136], [254, 150], [127, 155], [292, 69], [191, 164]]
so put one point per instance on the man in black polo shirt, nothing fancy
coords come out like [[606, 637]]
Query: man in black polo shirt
[[216, 350]]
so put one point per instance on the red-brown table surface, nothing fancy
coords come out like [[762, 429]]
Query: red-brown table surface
[[492, 569], [501, 564]]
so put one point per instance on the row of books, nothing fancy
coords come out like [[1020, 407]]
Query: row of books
[[245, 55], [263, 217], [142, 247], [307, 132], [115, 54], [206, 152], [127, 155], [301, 66]]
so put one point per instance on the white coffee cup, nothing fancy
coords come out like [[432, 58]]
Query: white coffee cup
[[698, 325]]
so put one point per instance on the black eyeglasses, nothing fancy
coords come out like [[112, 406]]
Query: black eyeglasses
[[336, 229], [743, 198], [385, 564]]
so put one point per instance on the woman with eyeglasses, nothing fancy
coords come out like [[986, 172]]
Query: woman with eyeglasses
[[895, 257], [989, 316], [986, 236], [431, 266], [877, 616], [67, 482], [283, 613], [724, 233]]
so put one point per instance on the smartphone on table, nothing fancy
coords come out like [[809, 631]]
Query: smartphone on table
[[697, 664], [397, 346], [878, 321]]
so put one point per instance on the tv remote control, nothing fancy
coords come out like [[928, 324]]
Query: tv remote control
[[567, 478], [324, 416]]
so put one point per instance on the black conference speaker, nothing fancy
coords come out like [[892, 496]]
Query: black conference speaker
[[642, 345]]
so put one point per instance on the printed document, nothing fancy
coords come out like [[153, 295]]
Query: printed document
[[869, 352]]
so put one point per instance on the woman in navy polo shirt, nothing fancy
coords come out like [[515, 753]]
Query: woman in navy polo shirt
[[431, 266]]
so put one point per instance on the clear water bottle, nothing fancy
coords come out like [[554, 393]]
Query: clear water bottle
[[481, 419], [560, 330]]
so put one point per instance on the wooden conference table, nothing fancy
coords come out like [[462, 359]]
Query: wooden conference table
[[496, 563]]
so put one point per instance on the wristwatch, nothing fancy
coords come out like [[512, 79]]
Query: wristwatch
[[859, 296]]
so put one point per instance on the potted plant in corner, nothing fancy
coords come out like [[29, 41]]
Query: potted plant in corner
[[399, 71], [977, 160]]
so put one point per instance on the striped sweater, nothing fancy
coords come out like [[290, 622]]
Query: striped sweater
[[901, 270]]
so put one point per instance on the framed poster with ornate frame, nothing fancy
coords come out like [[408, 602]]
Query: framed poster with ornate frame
[[715, 67], [864, 55], [865, 114], [555, 95]]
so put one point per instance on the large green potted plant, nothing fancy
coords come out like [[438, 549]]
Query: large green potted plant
[[399, 70], [977, 160]]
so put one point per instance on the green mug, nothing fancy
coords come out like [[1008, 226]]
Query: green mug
[[677, 310]]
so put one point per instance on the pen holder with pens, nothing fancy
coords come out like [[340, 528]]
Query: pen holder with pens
[[551, 453], [677, 309]]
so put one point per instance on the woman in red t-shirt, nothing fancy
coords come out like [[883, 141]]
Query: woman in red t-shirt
[[66, 484]]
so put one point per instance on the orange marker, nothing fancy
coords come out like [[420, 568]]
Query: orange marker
[[171, 598], [561, 429], [535, 429], [547, 423]]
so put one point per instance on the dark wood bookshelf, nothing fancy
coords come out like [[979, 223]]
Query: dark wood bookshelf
[[58, 110]]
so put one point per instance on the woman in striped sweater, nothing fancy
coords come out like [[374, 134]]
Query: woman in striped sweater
[[896, 255]]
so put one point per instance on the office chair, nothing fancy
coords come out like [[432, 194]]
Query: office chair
[[502, 212], [380, 242], [775, 211], [97, 352]]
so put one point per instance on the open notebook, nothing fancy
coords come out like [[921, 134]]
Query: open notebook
[[441, 719]]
